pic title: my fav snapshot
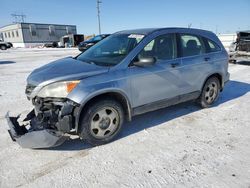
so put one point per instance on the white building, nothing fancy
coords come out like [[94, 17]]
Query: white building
[[34, 34]]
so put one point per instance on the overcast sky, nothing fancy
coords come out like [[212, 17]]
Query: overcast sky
[[225, 16]]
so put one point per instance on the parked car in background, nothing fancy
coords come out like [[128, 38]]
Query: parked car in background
[[129, 73], [51, 45], [5, 45], [91, 42]]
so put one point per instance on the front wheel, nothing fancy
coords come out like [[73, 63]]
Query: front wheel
[[210, 92], [101, 122]]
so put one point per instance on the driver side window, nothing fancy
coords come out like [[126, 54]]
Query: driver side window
[[162, 48]]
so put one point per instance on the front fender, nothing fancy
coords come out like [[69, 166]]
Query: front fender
[[91, 87], [84, 93]]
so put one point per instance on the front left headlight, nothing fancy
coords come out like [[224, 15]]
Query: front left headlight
[[58, 89]]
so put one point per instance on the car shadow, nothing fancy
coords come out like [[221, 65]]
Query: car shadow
[[243, 63], [71, 144], [6, 62], [232, 90]]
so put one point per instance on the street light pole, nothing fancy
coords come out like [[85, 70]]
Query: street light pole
[[98, 15]]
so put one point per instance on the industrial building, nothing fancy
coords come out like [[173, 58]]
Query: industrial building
[[34, 34]]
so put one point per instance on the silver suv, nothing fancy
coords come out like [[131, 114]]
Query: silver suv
[[126, 74]]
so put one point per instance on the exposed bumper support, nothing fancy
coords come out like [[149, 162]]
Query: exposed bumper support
[[43, 138]]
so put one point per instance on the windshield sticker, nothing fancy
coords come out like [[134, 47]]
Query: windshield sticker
[[136, 36]]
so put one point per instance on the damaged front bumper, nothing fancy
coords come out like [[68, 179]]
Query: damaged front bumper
[[43, 138], [45, 126]]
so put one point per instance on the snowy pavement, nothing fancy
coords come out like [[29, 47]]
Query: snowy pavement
[[180, 146]]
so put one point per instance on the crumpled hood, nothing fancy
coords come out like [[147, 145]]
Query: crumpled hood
[[64, 69]]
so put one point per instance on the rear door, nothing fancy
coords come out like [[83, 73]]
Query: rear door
[[213, 52], [194, 62]]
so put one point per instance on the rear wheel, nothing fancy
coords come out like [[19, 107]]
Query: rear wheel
[[210, 92], [102, 122]]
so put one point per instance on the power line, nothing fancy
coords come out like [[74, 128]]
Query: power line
[[98, 15], [19, 18]]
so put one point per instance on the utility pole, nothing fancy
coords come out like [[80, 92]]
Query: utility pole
[[98, 15], [19, 18]]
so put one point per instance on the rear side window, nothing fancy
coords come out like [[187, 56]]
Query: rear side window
[[190, 45], [211, 46]]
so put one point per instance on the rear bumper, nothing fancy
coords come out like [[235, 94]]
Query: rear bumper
[[227, 77], [43, 138]]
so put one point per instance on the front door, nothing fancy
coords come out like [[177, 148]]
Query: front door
[[160, 81]]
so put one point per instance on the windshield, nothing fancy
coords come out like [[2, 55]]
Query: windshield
[[112, 50]]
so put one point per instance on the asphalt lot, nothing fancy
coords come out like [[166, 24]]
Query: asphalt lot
[[180, 146]]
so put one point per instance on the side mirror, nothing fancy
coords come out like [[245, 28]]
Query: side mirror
[[145, 61]]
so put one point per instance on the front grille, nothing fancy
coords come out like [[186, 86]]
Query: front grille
[[29, 89]]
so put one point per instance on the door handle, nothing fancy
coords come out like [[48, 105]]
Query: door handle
[[207, 58], [174, 64]]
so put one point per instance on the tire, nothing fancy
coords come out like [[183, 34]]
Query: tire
[[210, 92], [101, 122], [3, 47], [10, 44], [54, 45]]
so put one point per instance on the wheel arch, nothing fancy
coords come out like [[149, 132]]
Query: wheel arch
[[217, 75], [117, 95]]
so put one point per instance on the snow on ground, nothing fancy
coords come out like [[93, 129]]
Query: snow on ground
[[181, 146]]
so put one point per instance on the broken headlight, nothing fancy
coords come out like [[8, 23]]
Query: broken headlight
[[58, 89]]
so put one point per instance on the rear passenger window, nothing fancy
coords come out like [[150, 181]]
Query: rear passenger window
[[211, 46], [190, 45]]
